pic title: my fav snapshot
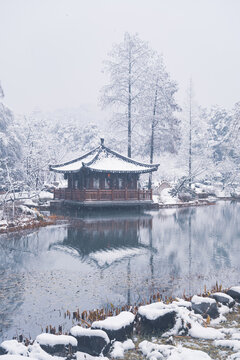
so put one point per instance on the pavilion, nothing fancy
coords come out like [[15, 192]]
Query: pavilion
[[103, 177]]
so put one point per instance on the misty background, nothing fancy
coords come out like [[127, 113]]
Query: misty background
[[52, 55], [52, 50]]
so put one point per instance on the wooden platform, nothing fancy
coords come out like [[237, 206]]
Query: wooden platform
[[101, 204]]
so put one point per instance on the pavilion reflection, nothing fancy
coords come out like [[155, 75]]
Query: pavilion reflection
[[107, 234]]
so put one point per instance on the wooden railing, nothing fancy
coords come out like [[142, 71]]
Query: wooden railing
[[102, 195]]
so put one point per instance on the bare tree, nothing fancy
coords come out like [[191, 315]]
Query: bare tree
[[127, 68]]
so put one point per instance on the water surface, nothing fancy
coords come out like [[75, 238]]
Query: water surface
[[119, 258]]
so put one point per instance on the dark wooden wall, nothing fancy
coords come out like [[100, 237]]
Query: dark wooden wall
[[85, 180]]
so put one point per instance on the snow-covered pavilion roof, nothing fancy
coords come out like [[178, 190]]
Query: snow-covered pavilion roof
[[103, 159]]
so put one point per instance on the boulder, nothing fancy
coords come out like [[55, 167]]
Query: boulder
[[156, 318], [57, 344], [205, 306], [2, 351], [119, 327], [13, 347], [93, 342], [234, 292], [223, 299]]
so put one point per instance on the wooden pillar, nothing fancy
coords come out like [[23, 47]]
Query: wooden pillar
[[126, 194]]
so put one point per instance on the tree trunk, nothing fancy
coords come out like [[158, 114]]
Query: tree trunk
[[130, 105], [152, 136], [190, 137]]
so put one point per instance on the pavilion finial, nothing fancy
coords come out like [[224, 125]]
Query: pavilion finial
[[102, 141]]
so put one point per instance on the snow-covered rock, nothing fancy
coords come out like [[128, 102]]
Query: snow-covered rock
[[16, 357], [84, 356], [157, 317], [119, 348], [93, 342], [205, 306], [234, 292], [118, 327], [232, 344], [223, 298], [13, 347], [155, 351], [56, 344]]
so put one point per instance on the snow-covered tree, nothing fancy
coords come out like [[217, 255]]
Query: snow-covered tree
[[127, 68], [10, 145], [160, 124], [194, 153]]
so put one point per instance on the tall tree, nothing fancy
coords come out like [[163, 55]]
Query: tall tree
[[10, 144], [159, 107], [190, 93], [127, 68]]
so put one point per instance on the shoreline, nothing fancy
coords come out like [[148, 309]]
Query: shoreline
[[45, 220], [199, 332]]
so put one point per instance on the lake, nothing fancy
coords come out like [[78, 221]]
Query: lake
[[114, 258]]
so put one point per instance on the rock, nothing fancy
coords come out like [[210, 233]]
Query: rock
[[13, 347], [57, 344], [223, 299], [93, 342], [156, 318], [234, 292], [205, 306], [119, 327], [2, 351]]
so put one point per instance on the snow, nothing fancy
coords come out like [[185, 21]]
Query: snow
[[120, 347], [45, 195], [232, 344], [166, 198], [14, 347], [155, 310], [17, 351], [207, 333], [16, 357], [52, 340], [36, 352], [75, 165], [84, 356], [155, 351], [235, 288], [27, 211], [234, 356], [29, 202], [105, 161], [196, 330], [125, 318], [112, 163], [181, 302], [80, 331], [199, 300], [226, 296]]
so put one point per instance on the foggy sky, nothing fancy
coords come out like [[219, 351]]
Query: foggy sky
[[51, 51]]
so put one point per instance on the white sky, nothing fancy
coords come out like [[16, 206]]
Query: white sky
[[51, 51]]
